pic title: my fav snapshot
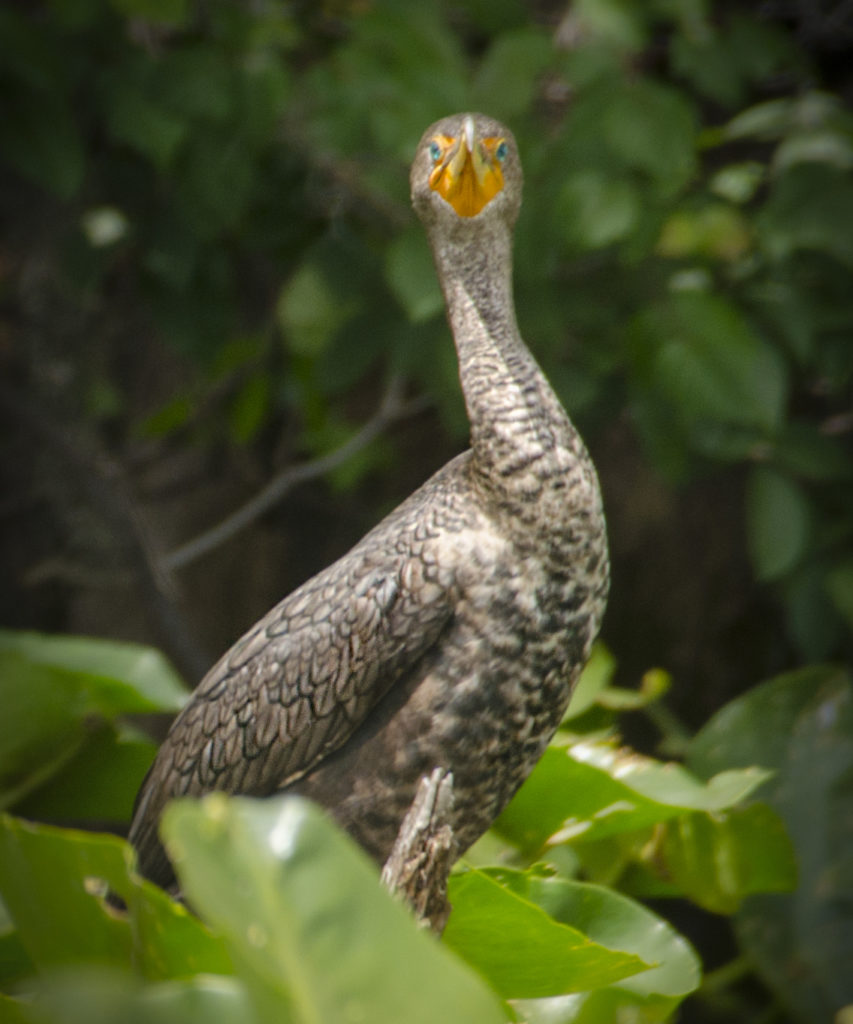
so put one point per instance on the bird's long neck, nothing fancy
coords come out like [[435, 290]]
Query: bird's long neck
[[520, 433]]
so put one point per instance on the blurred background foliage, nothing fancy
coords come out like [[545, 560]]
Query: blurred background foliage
[[212, 290]]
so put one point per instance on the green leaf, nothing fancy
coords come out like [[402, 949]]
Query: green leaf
[[52, 881], [809, 208], [15, 1011], [170, 12], [778, 520], [40, 138], [718, 860], [508, 76], [89, 995], [15, 964], [701, 352], [124, 677], [716, 231], [596, 210], [652, 127], [739, 182], [196, 82], [98, 783], [214, 180], [816, 146], [839, 583], [312, 932], [765, 121], [411, 276], [592, 790], [594, 679], [525, 951], [150, 128], [800, 724], [42, 725], [614, 922], [250, 407], [309, 312]]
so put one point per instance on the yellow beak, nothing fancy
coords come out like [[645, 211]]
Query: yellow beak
[[467, 173]]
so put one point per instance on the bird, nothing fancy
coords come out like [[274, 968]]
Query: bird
[[451, 635]]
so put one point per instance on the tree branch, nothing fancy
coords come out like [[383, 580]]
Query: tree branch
[[391, 408]]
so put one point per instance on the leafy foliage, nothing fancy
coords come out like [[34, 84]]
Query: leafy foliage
[[297, 925], [227, 184]]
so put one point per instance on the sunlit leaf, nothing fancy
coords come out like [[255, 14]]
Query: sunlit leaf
[[91, 994], [124, 677], [615, 922], [312, 932], [525, 951], [592, 790], [53, 880]]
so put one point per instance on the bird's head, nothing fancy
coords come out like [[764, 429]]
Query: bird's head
[[466, 167]]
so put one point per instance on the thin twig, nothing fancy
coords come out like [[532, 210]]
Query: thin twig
[[391, 408]]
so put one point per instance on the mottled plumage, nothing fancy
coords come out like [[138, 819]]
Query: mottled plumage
[[452, 633]]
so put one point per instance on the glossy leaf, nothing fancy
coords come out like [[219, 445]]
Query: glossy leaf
[[613, 921], [801, 725], [98, 783], [312, 933], [116, 997], [523, 949], [593, 790], [56, 693], [593, 681], [126, 677], [52, 881]]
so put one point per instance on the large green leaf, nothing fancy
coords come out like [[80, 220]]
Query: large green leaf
[[56, 693], [52, 881], [15, 1011], [98, 783], [88, 995], [592, 790], [14, 961], [614, 922], [526, 951], [125, 678], [801, 725], [717, 860], [313, 935], [42, 726]]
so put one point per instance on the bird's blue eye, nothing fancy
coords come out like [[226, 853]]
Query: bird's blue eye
[[501, 151], [434, 152]]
